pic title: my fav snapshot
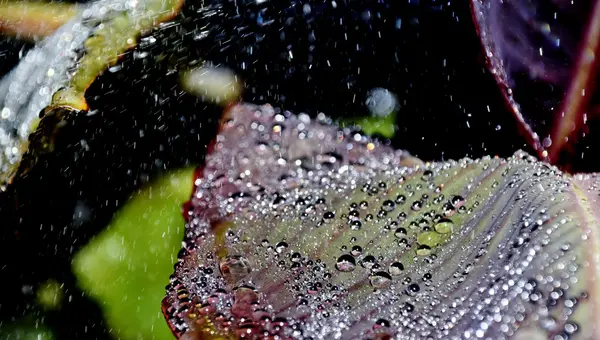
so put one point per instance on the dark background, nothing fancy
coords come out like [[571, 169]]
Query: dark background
[[450, 108]]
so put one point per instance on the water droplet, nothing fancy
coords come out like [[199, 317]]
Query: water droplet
[[380, 280], [400, 232], [281, 246], [423, 250], [408, 307], [356, 250], [457, 201], [402, 216], [328, 216], [571, 327], [413, 288], [234, 267], [448, 210], [381, 323], [389, 205], [368, 262], [396, 268], [429, 238], [345, 263], [427, 176], [417, 205], [400, 199], [444, 226]]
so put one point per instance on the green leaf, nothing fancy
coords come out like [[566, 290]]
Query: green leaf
[[34, 19], [91, 38], [26, 328], [320, 234], [50, 294], [126, 267], [385, 126]]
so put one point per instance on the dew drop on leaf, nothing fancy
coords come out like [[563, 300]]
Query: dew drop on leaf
[[450, 260], [380, 280], [235, 267], [444, 226], [345, 263], [368, 261], [396, 268]]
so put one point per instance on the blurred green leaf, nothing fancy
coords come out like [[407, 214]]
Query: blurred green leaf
[[50, 295], [34, 19], [27, 328], [126, 267], [385, 126]]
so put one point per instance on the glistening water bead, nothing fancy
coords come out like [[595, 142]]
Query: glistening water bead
[[396, 268], [356, 224], [389, 205], [444, 226], [416, 205], [328, 216], [369, 261], [380, 280], [345, 263], [481, 270], [356, 250], [400, 232]]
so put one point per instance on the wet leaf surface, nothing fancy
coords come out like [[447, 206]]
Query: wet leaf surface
[[297, 230], [147, 73]]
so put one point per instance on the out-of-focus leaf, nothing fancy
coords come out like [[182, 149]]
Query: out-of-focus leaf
[[544, 55], [27, 328], [385, 126], [125, 268], [50, 294], [299, 231], [33, 19], [54, 76], [218, 85]]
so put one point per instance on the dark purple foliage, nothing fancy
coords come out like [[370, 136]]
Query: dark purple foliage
[[542, 54]]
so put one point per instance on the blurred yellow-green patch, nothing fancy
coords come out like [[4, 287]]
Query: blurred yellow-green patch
[[27, 328], [384, 126], [126, 267], [33, 19], [50, 294]]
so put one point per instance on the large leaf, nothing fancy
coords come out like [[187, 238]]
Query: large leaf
[[126, 267], [298, 230], [51, 81], [33, 20], [544, 56]]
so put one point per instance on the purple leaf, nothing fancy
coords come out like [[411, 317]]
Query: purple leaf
[[299, 230], [543, 55]]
